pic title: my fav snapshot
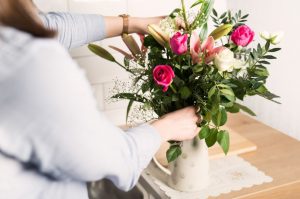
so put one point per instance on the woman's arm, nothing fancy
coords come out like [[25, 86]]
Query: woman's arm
[[48, 105], [79, 29]]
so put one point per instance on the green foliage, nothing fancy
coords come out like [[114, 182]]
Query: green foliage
[[185, 92], [223, 140], [211, 139], [128, 109], [173, 153], [220, 118], [228, 17], [244, 108], [204, 132], [203, 14], [98, 50]]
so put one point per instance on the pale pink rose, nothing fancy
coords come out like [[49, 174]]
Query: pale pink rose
[[179, 43], [242, 36], [206, 50], [163, 75]]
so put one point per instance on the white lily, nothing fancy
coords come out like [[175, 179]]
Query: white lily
[[275, 38]]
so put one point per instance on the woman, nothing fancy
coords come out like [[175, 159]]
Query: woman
[[52, 137]]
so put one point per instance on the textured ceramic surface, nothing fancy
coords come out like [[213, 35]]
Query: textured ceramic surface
[[190, 172]]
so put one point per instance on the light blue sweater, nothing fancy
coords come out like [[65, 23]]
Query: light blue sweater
[[52, 137]]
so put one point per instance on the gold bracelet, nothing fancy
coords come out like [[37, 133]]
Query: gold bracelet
[[125, 23]]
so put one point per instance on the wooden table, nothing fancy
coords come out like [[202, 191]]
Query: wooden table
[[278, 155]]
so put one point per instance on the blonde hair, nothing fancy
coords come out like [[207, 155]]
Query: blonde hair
[[22, 15]]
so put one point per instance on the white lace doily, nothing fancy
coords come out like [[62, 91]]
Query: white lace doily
[[227, 174]]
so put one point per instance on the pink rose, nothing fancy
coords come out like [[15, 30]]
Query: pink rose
[[179, 43], [163, 76], [242, 36]]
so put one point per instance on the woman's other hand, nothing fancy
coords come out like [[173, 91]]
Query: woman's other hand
[[179, 125]]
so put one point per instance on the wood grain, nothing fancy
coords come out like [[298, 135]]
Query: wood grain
[[287, 191], [238, 145], [277, 154]]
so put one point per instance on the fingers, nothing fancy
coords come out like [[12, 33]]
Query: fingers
[[180, 23]]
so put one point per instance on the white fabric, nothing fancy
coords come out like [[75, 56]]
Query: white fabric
[[227, 174]]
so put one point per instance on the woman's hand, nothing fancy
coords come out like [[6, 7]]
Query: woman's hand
[[179, 125], [114, 25], [140, 25]]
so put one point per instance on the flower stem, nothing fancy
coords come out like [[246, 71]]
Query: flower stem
[[184, 16], [173, 89]]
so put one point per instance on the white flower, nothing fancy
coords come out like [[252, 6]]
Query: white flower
[[275, 38], [239, 64], [168, 25], [265, 35], [224, 61]]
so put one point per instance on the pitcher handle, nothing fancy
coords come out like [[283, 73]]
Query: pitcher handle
[[161, 167]]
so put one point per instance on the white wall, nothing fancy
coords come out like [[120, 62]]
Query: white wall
[[284, 80], [99, 72]]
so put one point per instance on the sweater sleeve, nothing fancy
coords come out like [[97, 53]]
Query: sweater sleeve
[[75, 30], [50, 107]]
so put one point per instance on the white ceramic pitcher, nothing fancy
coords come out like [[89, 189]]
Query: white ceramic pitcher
[[190, 172]]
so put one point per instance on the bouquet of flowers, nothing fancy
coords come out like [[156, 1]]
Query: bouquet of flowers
[[180, 66]]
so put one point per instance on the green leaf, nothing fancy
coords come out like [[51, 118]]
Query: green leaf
[[223, 86], [203, 33], [173, 153], [126, 62], [262, 89], [245, 16], [185, 92], [215, 13], [224, 141], [245, 109], [212, 138], [101, 52], [175, 98], [261, 72], [227, 92], [233, 109], [220, 118], [211, 92], [269, 57], [259, 49], [274, 50], [197, 3], [264, 62], [223, 15], [204, 132], [267, 46], [198, 68], [128, 109], [173, 13], [185, 67], [130, 96]]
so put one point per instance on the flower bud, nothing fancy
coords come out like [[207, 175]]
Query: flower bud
[[221, 31], [161, 37]]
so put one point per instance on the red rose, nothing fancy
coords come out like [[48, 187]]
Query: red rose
[[242, 36], [163, 75], [179, 43]]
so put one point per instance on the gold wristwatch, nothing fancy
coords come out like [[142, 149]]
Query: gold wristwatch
[[125, 23]]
